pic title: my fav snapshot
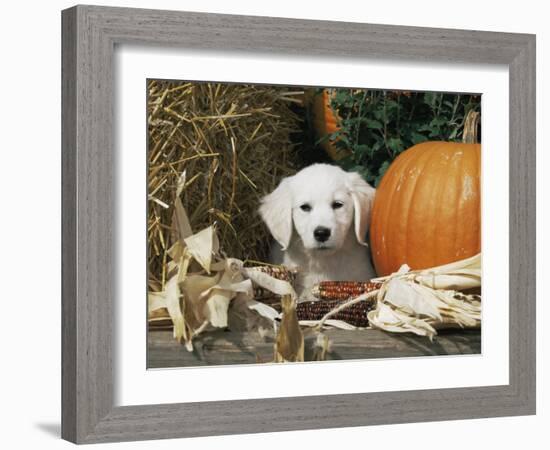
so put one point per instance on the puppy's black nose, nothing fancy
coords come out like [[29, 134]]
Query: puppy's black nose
[[321, 234]]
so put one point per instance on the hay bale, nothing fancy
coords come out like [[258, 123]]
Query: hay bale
[[233, 142]]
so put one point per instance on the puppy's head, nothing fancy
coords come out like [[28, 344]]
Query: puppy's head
[[320, 203]]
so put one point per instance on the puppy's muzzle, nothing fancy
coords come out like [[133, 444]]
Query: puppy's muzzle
[[321, 234]]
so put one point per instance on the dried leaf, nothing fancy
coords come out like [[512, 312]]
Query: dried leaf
[[217, 306], [332, 323], [172, 298], [457, 282], [264, 310], [412, 298], [159, 315], [182, 221], [219, 296], [183, 265], [201, 246], [289, 346], [193, 287], [390, 319], [155, 301], [176, 251], [321, 347]]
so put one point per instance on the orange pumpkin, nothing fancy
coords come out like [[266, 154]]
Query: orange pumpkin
[[427, 208], [325, 121]]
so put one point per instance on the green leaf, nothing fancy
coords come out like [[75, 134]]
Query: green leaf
[[453, 134], [341, 96], [376, 146], [426, 127], [438, 121], [378, 113], [395, 145], [430, 98], [361, 150], [373, 124], [417, 137]]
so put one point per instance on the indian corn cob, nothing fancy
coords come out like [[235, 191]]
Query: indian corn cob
[[342, 290], [332, 294], [355, 314]]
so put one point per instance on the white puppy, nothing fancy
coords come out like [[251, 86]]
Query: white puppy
[[311, 214]]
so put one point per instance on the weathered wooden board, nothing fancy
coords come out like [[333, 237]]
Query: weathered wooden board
[[225, 347]]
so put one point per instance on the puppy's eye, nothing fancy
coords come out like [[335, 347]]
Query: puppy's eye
[[305, 207], [337, 204]]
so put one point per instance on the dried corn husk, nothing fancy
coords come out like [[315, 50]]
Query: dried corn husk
[[289, 346], [202, 284], [322, 346], [459, 276], [328, 323], [423, 301]]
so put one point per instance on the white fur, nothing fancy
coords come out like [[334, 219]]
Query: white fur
[[344, 255]]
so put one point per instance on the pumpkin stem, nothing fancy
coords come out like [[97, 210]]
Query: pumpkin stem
[[469, 135]]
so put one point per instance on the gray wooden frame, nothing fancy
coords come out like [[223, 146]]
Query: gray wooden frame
[[89, 36]]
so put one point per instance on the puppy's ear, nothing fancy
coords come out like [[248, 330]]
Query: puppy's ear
[[276, 211], [362, 195]]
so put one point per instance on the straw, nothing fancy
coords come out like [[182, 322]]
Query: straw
[[233, 144]]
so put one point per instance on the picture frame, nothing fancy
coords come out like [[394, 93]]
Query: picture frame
[[89, 37]]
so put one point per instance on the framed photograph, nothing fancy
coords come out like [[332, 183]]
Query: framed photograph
[[252, 211]]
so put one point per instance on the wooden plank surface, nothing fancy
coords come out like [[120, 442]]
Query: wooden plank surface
[[225, 347]]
